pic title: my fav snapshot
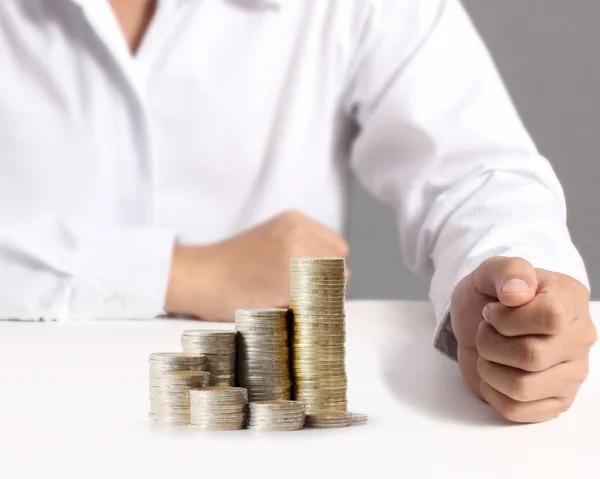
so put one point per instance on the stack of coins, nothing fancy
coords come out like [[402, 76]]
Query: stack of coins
[[263, 353], [219, 348], [172, 375], [318, 288], [328, 419], [276, 415], [218, 408]]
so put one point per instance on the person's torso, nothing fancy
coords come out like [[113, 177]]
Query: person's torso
[[229, 113]]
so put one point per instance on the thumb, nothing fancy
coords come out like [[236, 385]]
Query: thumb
[[512, 280]]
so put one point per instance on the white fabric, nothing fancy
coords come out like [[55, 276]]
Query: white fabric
[[235, 110]]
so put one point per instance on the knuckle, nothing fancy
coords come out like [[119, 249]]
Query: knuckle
[[566, 404], [502, 324], [296, 249], [592, 336], [586, 294], [344, 248], [482, 338], [291, 217], [295, 229], [292, 214], [285, 216], [510, 265], [512, 411], [531, 353], [578, 373], [554, 317], [584, 372], [519, 388]]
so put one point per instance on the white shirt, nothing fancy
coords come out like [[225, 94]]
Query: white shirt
[[236, 110]]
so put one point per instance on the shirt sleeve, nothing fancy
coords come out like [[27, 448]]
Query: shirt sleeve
[[51, 269], [440, 140]]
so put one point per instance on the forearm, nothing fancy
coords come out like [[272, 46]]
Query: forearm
[[441, 141], [511, 212]]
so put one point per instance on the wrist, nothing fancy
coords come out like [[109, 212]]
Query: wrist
[[187, 279]]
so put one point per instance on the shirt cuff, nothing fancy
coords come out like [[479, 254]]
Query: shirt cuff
[[444, 340], [121, 274]]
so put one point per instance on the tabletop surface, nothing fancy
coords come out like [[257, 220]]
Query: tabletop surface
[[73, 404]]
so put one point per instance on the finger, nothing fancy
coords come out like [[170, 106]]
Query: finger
[[529, 353], [561, 381], [318, 247], [523, 412], [465, 312], [467, 362], [337, 243], [570, 290], [314, 232], [536, 353], [512, 280], [545, 314]]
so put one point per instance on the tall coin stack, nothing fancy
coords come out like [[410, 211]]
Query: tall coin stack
[[317, 295], [263, 353], [172, 375], [218, 347], [218, 408]]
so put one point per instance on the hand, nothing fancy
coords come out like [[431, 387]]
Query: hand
[[248, 271], [524, 336]]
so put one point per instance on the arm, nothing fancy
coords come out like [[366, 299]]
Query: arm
[[54, 269], [440, 141]]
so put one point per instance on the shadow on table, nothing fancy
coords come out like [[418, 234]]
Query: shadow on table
[[423, 379]]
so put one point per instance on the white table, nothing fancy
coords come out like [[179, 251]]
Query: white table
[[73, 404]]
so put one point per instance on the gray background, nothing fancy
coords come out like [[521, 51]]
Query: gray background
[[547, 53]]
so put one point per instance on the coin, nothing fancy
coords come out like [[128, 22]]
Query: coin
[[218, 347], [172, 375], [276, 415], [324, 418], [263, 352], [358, 418], [218, 408], [317, 263], [274, 428], [176, 357]]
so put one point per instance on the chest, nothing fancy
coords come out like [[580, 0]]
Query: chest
[[133, 17], [216, 67], [221, 102]]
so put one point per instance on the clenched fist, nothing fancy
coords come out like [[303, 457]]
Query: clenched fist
[[249, 270], [524, 336]]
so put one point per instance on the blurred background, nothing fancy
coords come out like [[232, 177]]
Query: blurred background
[[546, 51]]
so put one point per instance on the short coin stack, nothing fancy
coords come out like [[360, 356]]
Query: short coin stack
[[317, 295], [263, 353], [218, 347], [218, 408], [172, 375], [276, 415], [328, 419]]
